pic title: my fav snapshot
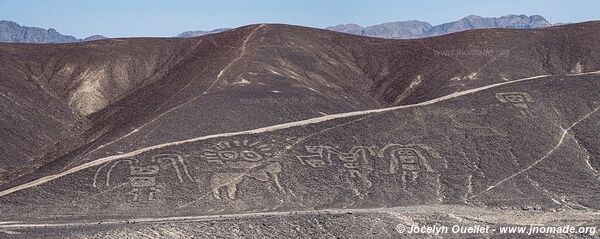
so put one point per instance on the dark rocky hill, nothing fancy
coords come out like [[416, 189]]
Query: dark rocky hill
[[301, 128]]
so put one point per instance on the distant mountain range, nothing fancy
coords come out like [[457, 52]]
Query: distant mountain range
[[418, 29], [13, 32]]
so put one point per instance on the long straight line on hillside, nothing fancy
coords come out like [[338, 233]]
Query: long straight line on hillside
[[550, 152], [392, 211], [21, 225], [261, 130], [242, 51]]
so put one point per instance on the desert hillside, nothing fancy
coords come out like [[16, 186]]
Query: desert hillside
[[264, 121]]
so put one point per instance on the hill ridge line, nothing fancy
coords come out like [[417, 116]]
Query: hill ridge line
[[265, 129]]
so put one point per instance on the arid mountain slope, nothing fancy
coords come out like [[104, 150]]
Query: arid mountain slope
[[278, 118], [145, 89], [470, 148]]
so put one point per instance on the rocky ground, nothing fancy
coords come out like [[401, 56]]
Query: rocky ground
[[282, 131]]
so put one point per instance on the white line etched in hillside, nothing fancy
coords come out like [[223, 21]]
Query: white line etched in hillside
[[550, 152], [23, 225], [242, 51], [585, 73], [9, 232], [460, 211], [255, 131]]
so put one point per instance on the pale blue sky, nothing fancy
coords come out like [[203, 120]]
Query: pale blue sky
[[124, 18]]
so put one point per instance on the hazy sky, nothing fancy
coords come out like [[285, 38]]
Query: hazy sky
[[123, 18]]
